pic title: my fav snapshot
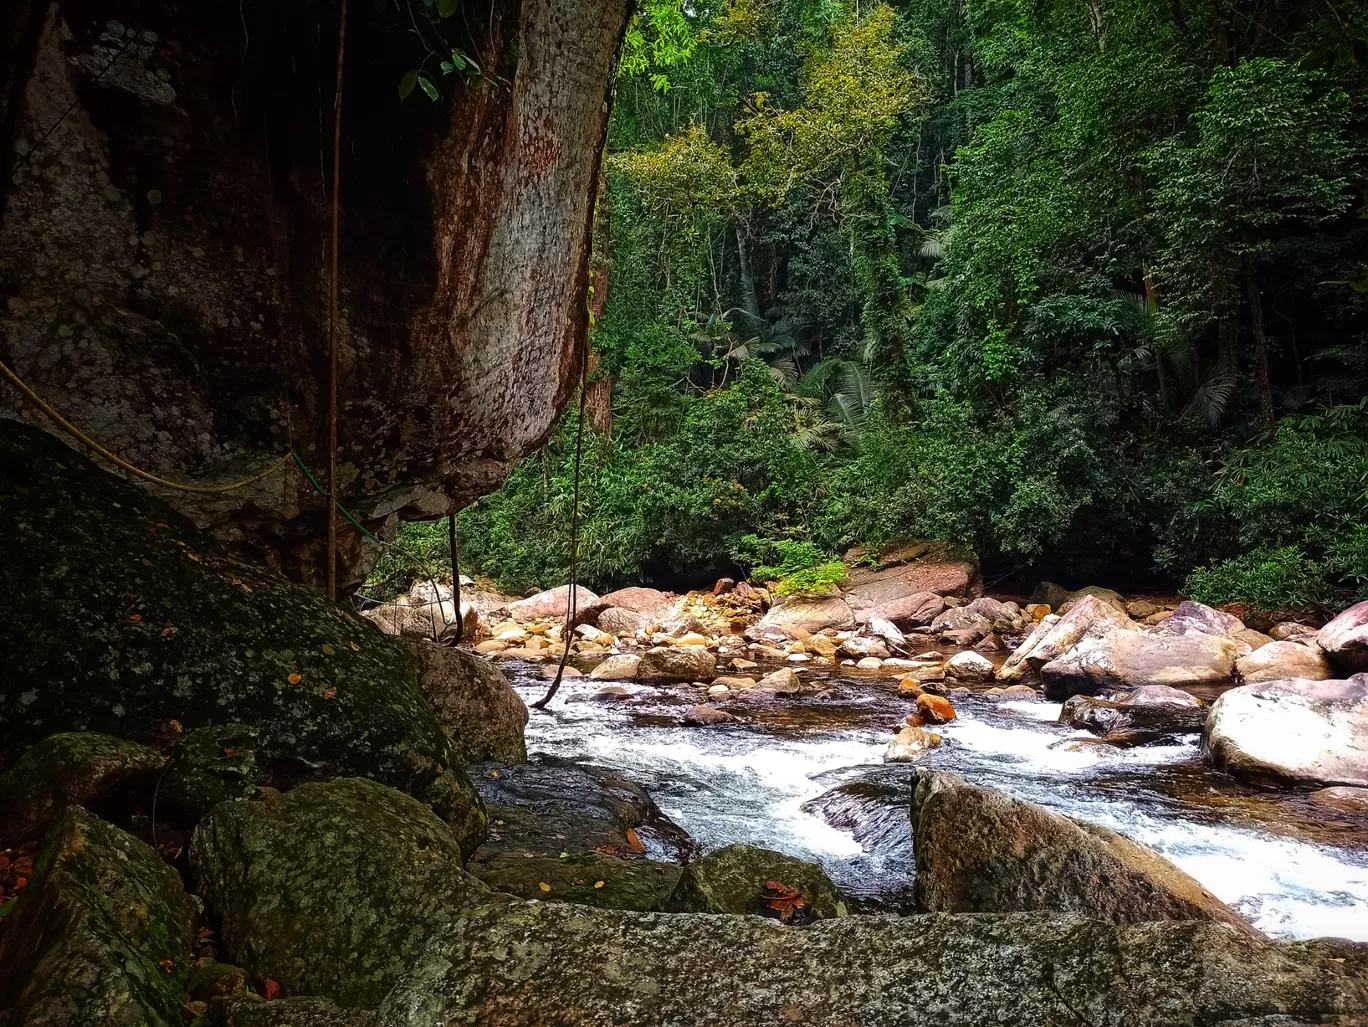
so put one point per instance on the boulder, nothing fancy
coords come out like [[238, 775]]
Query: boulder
[[100, 937], [966, 625], [784, 681], [118, 615], [1132, 659], [980, 851], [618, 667], [908, 568], [969, 667], [1111, 598], [741, 879], [332, 888], [858, 647], [421, 614], [913, 611], [808, 614], [1299, 731], [618, 620], [910, 744], [1345, 640], [590, 836], [706, 716], [1281, 660], [1349, 800], [546, 963], [212, 765], [668, 663], [1054, 636], [73, 769], [1293, 631], [476, 706], [649, 602], [935, 709], [551, 606], [1189, 617], [1047, 593], [1147, 715]]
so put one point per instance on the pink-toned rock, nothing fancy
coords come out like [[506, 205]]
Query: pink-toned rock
[[1278, 660], [810, 615], [1189, 617], [552, 605], [640, 600], [907, 569], [618, 620], [1345, 640], [1089, 617], [909, 612]]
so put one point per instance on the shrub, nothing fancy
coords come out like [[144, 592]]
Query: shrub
[[822, 580], [1265, 579]]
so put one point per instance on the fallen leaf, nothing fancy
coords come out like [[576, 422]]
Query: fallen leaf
[[193, 556], [295, 679], [204, 932], [169, 630], [598, 884], [167, 965], [232, 750], [634, 841], [272, 990], [353, 647], [782, 899], [543, 886], [135, 619], [328, 693]]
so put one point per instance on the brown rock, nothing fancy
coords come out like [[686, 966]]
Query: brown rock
[[648, 601], [909, 687], [810, 615], [1055, 636], [935, 708], [979, 851], [553, 604], [705, 716], [909, 612], [677, 663], [476, 706], [1284, 660], [1345, 640]]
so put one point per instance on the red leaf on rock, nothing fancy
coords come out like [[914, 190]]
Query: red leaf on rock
[[272, 990], [634, 841], [782, 899]]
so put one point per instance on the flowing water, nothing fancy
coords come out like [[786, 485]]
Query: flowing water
[[805, 776]]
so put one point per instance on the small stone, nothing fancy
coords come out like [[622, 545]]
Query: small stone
[[704, 716], [908, 686], [911, 744], [869, 663], [935, 708], [799, 657], [969, 667]]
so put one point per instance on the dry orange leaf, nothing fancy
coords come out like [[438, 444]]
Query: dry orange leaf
[[135, 619], [328, 693], [295, 679], [272, 990], [353, 647], [169, 630], [543, 886], [232, 750], [598, 884], [782, 899], [167, 965], [634, 841]]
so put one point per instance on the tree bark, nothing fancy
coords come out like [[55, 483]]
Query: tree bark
[[1256, 323]]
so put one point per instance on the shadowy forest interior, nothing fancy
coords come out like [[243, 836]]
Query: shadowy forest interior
[[1079, 285]]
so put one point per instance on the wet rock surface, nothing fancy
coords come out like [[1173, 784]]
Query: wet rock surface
[[979, 851], [331, 889], [1146, 715], [101, 937], [743, 879], [548, 963]]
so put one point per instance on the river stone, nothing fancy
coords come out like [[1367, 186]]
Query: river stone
[[76, 768], [419, 615], [735, 879], [618, 667], [1305, 732], [649, 601], [907, 568], [1353, 800], [213, 764], [552, 963], [1138, 718], [909, 612], [476, 706], [677, 663], [332, 888], [553, 604], [980, 851], [100, 937], [1132, 659], [910, 744], [969, 667], [1107, 595], [618, 620], [118, 615], [966, 625], [572, 829], [1278, 661], [858, 647], [1345, 640], [1090, 617], [1189, 617], [808, 614]]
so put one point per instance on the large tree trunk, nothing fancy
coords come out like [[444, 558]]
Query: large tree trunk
[[163, 245], [1256, 323]]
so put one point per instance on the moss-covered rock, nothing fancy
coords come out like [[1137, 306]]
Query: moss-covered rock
[[739, 879], [118, 615], [590, 878], [81, 768], [330, 889], [474, 702], [304, 1011], [101, 936], [215, 764], [217, 980]]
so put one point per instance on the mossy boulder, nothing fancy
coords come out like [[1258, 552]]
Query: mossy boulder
[[118, 615], [304, 1011], [474, 702], [741, 879], [100, 937], [214, 764], [590, 878], [330, 889], [82, 768]]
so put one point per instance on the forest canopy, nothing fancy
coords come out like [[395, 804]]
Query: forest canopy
[[1083, 286]]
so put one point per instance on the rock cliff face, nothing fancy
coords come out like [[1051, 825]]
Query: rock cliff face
[[164, 244]]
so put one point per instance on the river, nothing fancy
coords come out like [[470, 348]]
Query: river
[[805, 776]]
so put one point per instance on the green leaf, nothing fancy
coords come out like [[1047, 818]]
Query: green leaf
[[447, 67], [407, 83], [458, 59], [428, 85], [8, 906], [446, 8]]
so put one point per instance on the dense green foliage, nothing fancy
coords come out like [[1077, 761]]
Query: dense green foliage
[[1082, 286]]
